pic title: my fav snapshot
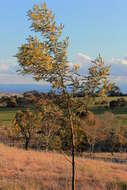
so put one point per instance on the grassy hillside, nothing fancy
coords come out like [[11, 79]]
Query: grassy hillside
[[44, 171]]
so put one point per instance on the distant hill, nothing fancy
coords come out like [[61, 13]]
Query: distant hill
[[21, 88]]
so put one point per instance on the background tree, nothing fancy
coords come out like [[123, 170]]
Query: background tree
[[93, 130], [119, 138], [50, 119], [109, 123], [24, 126]]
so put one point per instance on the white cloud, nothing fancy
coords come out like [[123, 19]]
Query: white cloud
[[83, 57], [18, 79], [118, 67], [8, 66], [83, 60], [119, 61], [124, 61], [3, 67]]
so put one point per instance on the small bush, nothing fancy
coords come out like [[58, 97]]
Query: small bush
[[120, 102]]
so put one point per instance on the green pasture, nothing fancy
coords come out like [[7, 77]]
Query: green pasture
[[7, 114], [119, 112], [101, 109]]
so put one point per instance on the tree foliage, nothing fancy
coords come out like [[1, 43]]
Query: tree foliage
[[98, 83], [44, 58]]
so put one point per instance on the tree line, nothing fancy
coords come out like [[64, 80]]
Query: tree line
[[47, 130]]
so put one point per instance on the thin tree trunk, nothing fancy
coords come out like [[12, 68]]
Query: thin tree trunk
[[92, 150], [73, 163], [26, 144], [73, 145], [73, 154]]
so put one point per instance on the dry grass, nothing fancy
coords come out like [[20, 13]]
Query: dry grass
[[107, 155], [51, 171]]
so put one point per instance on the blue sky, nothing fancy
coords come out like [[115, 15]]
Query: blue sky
[[93, 26]]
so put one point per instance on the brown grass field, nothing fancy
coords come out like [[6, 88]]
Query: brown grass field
[[31, 170]]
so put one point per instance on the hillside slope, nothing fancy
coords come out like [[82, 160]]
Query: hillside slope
[[37, 171]]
